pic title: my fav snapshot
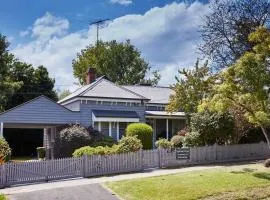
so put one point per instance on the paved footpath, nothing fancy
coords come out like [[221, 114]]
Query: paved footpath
[[90, 188]]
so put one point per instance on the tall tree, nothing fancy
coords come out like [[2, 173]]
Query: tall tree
[[122, 63], [7, 85], [34, 82], [246, 84], [192, 86], [226, 28]]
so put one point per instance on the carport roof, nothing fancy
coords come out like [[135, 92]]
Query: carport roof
[[40, 111]]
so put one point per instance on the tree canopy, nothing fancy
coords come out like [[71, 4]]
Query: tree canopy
[[246, 84], [7, 84], [192, 86], [121, 63], [20, 82], [226, 28]]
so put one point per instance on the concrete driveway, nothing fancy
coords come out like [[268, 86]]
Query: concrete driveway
[[82, 192]]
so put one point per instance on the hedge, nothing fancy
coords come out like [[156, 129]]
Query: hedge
[[144, 133]]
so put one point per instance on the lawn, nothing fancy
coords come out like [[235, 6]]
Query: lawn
[[3, 197], [22, 158], [249, 181]]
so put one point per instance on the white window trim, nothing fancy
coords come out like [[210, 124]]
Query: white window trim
[[113, 119]]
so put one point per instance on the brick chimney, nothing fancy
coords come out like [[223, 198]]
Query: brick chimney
[[91, 75]]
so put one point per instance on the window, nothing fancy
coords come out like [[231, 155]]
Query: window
[[96, 126], [105, 128]]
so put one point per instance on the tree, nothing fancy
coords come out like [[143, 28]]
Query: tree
[[191, 88], [7, 85], [34, 82], [246, 84], [212, 127], [226, 28], [119, 62], [63, 94]]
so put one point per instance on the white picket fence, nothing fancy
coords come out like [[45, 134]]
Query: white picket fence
[[40, 171]]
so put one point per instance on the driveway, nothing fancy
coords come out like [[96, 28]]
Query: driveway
[[82, 192]]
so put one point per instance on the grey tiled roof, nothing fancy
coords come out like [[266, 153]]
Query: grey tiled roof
[[102, 88], [158, 95]]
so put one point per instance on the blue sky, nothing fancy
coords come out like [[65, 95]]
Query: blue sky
[[50, 33]]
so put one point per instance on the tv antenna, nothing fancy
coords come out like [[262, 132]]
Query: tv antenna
[[99, 24]]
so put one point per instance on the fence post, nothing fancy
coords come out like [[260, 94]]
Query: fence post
[[4, 175], [159, 158], [84, 166], [47, 170], [215, 151], [141, 155]]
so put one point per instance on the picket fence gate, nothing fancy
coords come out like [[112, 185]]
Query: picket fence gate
[[96, 165]]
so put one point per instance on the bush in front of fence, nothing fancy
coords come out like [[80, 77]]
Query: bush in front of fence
[[163, 144], [94, 151], [125, 145], [99, 139], [192, 139], [177, 141], [69, 139], [5, 150], [143, 132], [129, 144]]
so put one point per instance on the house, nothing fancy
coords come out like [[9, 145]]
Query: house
[[100, 103]]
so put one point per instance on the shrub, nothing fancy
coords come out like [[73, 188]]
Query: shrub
[[163, 144], [177, 141], [71, 138], [41, 152], [128, 144], [192, 139], [267, 163], [5, 150], [144, 133], [87, 150], [182, 132], [106, 141], [99, 139], [212, 127]]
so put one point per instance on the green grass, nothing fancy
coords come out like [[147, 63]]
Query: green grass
[[22, 158], [226, 183], [3, 197]]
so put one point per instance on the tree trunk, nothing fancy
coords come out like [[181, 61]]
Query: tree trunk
[[267, 137]]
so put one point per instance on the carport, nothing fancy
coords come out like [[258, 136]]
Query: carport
[[39, 113]]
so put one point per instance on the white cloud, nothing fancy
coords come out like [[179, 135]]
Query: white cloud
[[24, 33], [167, 38], [48, 26], [122, 2]]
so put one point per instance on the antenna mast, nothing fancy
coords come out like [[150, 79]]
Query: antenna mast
[[99, 24]]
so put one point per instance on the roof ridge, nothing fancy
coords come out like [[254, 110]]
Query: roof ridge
[[31, 100], [92, 85], [129, 90]]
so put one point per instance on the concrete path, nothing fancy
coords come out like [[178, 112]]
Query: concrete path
[[85, 192], [90, 188]]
